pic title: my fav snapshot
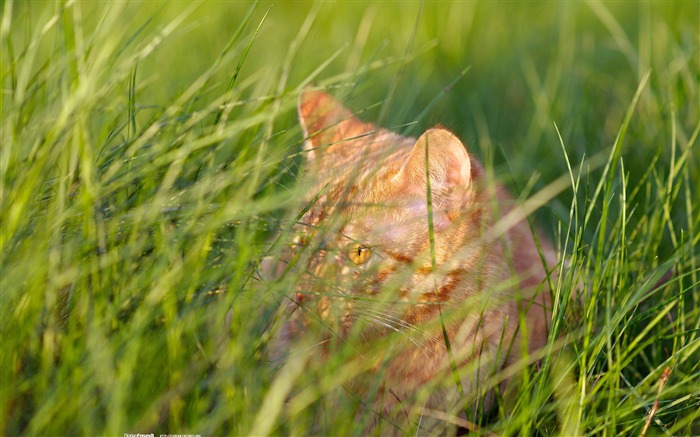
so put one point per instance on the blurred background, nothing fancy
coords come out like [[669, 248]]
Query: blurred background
[[530, 63]]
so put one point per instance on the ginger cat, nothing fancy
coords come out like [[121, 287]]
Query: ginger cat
[[383, 260]]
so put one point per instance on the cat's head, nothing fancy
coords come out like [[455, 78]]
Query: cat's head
[[376, 201]]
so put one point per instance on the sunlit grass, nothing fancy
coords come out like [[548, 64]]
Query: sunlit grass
[[149, 160]]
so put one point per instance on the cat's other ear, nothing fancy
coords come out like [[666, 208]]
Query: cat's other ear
[[449, 169], [325, 121]]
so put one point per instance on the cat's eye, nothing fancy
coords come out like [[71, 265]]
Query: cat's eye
[[298, 242], [359, 253]]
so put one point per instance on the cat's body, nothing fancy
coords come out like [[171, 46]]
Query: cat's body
[[373, 271]]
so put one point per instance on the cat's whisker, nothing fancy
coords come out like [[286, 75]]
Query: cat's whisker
[[399, 328], [400, 331], [317, 345], [397, 320], [377, 316]]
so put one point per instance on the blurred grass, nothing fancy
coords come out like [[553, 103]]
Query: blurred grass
[[150, 152]]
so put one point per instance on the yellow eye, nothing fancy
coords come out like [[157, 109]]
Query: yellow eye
[[359, 253], [298, 242]]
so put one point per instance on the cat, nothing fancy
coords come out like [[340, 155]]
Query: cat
[[405, 253]]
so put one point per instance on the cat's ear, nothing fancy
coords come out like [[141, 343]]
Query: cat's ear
[[325, 121], [449, 167]]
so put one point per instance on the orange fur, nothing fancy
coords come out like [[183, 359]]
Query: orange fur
[[373, 186]]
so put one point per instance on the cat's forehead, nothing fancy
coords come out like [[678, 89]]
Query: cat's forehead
[[367, 152], [359, 190], [363, 164]]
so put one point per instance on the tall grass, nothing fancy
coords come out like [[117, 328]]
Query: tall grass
[[149, 159]]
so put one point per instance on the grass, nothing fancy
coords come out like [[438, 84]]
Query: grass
[[149, 157]]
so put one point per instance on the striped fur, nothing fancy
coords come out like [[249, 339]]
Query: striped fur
[[373, 193]]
